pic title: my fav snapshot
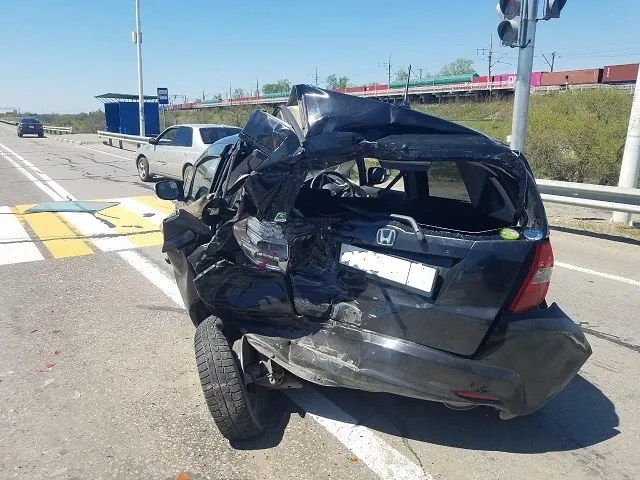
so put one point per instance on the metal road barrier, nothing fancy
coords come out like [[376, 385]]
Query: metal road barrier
[[121, 137], [58, 130], [601, 197]]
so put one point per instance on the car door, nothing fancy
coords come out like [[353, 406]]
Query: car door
[[156, 154], [183, 232], [178, 153]]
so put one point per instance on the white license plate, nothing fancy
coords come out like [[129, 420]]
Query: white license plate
[[404, 272], [30, 126]]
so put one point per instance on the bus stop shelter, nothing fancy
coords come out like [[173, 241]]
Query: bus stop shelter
[[121, 113]]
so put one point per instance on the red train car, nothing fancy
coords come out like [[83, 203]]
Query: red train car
[[484, 79], [620, 73], [573, 77]]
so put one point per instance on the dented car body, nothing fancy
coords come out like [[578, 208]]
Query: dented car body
[[359, 244]]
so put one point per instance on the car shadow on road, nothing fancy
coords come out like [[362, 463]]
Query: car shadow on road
[[580, 416], [281, 411]]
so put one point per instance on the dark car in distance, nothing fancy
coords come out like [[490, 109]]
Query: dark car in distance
[[353, 243], [30, 126]]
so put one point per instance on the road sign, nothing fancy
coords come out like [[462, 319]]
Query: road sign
[[163, 96]]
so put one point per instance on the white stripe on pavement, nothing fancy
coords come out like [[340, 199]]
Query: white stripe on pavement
[[37, 182], [15, 244], [106, 153], [378, 455], [598, 274], [154, 275], [142, 210]]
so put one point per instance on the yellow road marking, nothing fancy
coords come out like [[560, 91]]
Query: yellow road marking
[[164, 206], [135, 228], [59, 239]]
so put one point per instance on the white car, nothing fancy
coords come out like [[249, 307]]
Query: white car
[[173, 153]]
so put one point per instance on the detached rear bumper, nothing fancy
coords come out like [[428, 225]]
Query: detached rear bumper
[[530, 358]]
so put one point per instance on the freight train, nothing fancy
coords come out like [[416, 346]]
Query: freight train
[[608, 75]]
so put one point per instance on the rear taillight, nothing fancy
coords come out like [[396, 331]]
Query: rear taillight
[[263, 243], [536, 285]]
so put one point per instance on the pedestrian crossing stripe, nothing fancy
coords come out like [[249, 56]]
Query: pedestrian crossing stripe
[[134, 222]]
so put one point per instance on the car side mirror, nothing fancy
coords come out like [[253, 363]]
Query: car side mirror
[[377, 175], [153, 141], [169, 190]]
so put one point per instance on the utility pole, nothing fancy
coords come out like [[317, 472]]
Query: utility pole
[[631, 158], [523, 76], [389, 70], [257, 88], [316, 76], [137, 36], [553, 59], [490, 57]]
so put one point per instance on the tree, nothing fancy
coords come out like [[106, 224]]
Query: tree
[[278, 87], [402, 75], [334, 83], [460, 66], [238, 93]]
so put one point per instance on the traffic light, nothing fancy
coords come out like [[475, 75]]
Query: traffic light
[[510, 26], [552, 8]]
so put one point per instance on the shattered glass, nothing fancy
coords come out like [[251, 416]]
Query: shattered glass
[[71, 206]]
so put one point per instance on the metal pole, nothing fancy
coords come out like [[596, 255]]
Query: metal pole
[[523, 78], [631, 158], [490, 55], [140, 88]]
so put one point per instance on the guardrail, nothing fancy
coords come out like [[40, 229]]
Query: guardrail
[[48, 129], [601, 197], [58, 130], [121, 137]]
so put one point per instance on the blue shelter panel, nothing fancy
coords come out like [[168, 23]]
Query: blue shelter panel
[[129, 118], [112, 117], [151, 119]]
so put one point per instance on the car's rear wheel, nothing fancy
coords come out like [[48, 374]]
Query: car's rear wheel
[[41, 135], [186, 173], [20, 135], [143, 169], [240, 411]]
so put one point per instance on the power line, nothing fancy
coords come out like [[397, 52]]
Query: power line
[[553, 59]]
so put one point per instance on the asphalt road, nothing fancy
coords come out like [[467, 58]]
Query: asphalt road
[[123, 400]]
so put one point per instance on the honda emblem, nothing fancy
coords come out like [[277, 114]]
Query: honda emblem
[[386, 237]]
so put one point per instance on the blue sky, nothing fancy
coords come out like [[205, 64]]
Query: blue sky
[[56, 55]]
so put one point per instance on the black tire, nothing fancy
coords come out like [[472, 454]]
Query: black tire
[[188, 169], [143, 169], [20, 135], [41, 135], [240, 413]]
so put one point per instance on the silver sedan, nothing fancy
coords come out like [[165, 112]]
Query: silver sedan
[[173, 153]]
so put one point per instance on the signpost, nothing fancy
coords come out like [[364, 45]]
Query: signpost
[[163, 99]]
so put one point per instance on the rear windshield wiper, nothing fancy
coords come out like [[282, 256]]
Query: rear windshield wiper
[[401, 218]]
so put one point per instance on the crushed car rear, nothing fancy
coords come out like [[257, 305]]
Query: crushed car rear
[[355, 243]]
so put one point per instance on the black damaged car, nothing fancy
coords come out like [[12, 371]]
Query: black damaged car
[[354, 243]]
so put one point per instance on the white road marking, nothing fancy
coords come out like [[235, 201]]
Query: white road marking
[[106, 153], [154, 275], [142, 210], [379, 456], [15, 244], [55, 186], [37, 182], [597, 274]]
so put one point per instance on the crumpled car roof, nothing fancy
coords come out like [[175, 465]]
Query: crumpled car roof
[[323, 128]]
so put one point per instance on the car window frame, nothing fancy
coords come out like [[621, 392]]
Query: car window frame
[[160, 137]]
